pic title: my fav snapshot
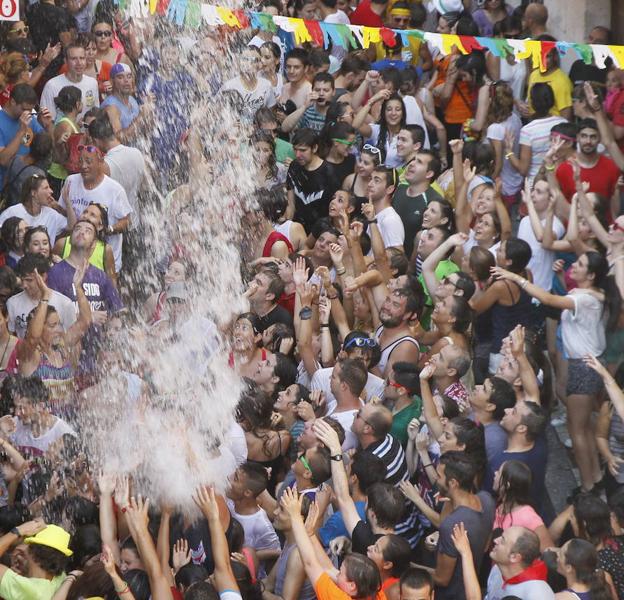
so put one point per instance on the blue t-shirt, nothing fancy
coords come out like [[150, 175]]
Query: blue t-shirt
[[8, 130], [334, 526]]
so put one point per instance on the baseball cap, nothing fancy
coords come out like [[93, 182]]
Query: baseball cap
[[52, 536], [119, 68]]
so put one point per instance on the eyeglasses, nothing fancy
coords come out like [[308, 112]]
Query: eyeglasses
[[358, 415], [305, 463], [395, 385], [103, 33], [360, 342], [23, 30], [343, 141]]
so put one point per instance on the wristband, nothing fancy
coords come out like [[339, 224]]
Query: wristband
[[343, 270], [324, 325], [337, 457], [44, 301], [305, 313], [372, 221], [524, 283], [508, 155], [551, 168], [15, 531], [334, 297]]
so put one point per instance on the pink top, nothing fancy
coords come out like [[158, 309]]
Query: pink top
[[524, 516]]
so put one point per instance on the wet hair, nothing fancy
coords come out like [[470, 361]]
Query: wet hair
[[583, 557], [319, 459], [52, 561], [387, 502], [362, 571], [542, 99], [32, 184], [286, 370], [407, 374], [462, 312], [85, 39], [514, 487], [481, 260], [330, 132], [201, 590], [30, 263], [473, 63], [94, 581], [335, 111], [470, 435], [138, 582], [22, 93], [416, 578], [68, 98], [503, 396], [273, 203], [368, 468], [85, 543], [527, 545], [250, 589], [519, 253], [303, 56], [461, 467], [398, 552], [383, 125], [535, 420], [81, 512], [598, 266], [256, 476], [465, 284], [305, 137], [399, 261], [275, 50], [101, 128], [354, 374], [30, 232], [264, 115], [281, 331], [190, 574], [31, 389], [593, 518], [41, 147]]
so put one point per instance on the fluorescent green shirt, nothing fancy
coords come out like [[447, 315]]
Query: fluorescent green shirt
[[16, 587]]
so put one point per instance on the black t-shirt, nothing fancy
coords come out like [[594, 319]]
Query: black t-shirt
[[343, 170], [313, 191], [411, 209], [278, 315], [362, 537]]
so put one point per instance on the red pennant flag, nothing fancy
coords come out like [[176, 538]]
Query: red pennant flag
[[314, 29], [388, 37], [545, 48], [242, 17], [162, 6], [470, 43]]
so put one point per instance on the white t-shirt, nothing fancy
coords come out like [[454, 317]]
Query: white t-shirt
[[526, 590], [375, 386], [110, 194], [53, 221], [515, 76], [21, 305], [87, 85], [261, 95], [583, 329], [512, 180], [542, 259], [24, 440], [414, 116], [339, 18], [537, 135], [390, 227], [473, 242], [127, 167], [346, 418]]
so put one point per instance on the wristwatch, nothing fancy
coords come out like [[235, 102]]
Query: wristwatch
[[305, 313], [337, 457]]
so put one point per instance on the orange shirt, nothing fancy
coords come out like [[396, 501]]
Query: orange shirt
[[460, 105], [326, 589]]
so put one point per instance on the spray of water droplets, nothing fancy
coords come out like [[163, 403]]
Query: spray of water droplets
[[172, 439]]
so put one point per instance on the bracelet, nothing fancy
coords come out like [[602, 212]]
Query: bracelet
[[373, 221], [508, 155], [43, 300], [334, 297], [342, 271], [523, 283], [15, 531], [324, 325], [305, 313], [551, 168], [124, 591], [429, 465]]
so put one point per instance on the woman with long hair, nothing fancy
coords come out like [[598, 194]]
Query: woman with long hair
[[272, 174], [37, 241], [490, 13], [102, 29], [154, 307], [357, 182], [247, 351], [512, 485], [270, 58], [68, 104], [383, 135], [335, 144], [588, 310], [12, 240], [577, 561]]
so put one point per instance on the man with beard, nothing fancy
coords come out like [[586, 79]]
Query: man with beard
[[394, 336], [596, 169], [312, 113], [456, 475]]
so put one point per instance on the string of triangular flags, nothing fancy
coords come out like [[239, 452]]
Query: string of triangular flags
[[293, 31]]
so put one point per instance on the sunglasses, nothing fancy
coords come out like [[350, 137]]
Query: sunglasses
[[372, 149], [89, 149], [360, 342], [343, 141], [24, 30], [103, 33], [305, 463], [394, 384]]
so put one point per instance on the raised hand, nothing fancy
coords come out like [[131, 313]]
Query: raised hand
[[460, 539], [413, 428], [137, 513], [324, 309], [181, 554], [368, 210], [422, 441], [323, 274], [106, 483], [593, 102], [458, 239], [327, 436], [79, 274], [307, 292], [469, 171], [517, 341], [206, 500], [457, 146], [300, 272], [108, 560], [122, 491], [336, 253], [427, 371], [291, 503], [31, 528]]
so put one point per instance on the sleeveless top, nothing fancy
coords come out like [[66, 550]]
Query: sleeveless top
[[283, 228], [56, 170], [388, 583], [59, 381], [359, 199], [97, 256], [274, 237], [580, 595], [389, 349], [505, 318], [127, 114], [307, 591]]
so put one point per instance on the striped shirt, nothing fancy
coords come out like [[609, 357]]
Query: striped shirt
[[536, 134]]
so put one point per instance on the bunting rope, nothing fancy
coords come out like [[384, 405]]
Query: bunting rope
[[293, 32]]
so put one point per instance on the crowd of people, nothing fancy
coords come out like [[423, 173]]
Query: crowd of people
[[433, 261]]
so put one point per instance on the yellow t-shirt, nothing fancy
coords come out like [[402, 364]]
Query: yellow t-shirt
[[561, 87], [16, 587]]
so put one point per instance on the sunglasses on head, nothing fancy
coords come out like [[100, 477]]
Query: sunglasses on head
[[372, 149], [360, 342], [89, 149], [343, 141]]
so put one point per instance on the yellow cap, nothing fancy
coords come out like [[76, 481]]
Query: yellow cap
[[52, 536]]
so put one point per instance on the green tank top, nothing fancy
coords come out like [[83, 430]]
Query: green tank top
[[97, 256], [59, 171]]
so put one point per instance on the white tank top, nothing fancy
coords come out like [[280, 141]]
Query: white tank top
[[284, 229]]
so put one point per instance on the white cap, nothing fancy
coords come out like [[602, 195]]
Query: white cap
[[447, 6]]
